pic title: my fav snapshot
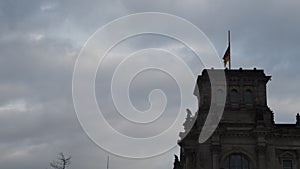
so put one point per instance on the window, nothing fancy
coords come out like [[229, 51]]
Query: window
[[234, 96], [287, 164], [248, 97], [237, 161], [220, 96]]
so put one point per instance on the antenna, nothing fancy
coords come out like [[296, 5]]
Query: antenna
[[107, 163]]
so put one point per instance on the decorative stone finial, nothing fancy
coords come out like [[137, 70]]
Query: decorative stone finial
[[176, 163], [188, 120], [298, 119]]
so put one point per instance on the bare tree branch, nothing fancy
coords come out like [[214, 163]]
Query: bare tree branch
[[62, 162]]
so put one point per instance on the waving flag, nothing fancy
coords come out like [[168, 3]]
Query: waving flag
[[226, 57]]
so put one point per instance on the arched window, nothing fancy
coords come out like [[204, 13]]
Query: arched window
[[234, 96], [248, 96], [220, 96], [237, 161]]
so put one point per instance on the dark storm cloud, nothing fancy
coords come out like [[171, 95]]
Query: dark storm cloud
[[40, 40]]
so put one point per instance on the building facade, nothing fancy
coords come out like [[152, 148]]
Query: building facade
[[247, 136]]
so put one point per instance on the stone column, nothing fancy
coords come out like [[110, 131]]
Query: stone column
[[298, 159], [187, 160], [261, 157], [215, 156], [261, 150], [190, 162], [215, 149]]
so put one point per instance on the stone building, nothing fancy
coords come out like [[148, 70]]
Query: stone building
[[247, 136]]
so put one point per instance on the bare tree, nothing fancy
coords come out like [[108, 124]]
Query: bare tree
[[62, 162]]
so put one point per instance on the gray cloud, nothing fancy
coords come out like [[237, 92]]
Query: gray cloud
[[39, 42]]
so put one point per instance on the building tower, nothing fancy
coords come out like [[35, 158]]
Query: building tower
[[246, 137]]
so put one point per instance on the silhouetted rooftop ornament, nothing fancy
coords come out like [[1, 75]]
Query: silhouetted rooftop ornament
[[176, 163], [298, 120], [188, 120]]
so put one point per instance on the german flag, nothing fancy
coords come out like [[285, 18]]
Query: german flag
[[226, 57]]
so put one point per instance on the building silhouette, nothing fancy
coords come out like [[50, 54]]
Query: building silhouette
[[247, 136]]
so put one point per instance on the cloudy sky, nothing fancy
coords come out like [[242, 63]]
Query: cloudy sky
[[40, 41]]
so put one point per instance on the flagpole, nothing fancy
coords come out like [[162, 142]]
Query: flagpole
[[229, 49]]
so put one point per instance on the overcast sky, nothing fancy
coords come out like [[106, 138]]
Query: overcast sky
[[40, 41]]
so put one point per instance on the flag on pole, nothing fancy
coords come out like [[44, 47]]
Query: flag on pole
[[226, 57]]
